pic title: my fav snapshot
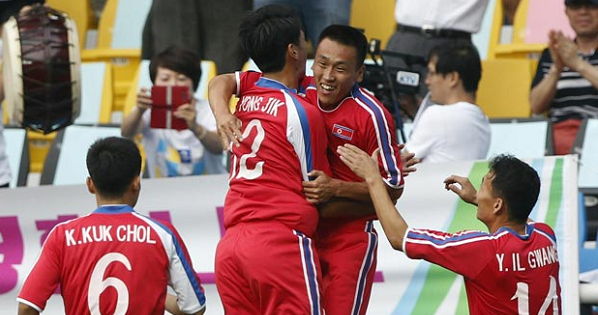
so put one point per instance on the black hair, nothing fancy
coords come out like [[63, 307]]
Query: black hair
[[517, 183], [265, 34], [462, 57], [348, 36], [180, 60], [113, 163]]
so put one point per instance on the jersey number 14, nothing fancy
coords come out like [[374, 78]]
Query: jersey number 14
[[522, 296]]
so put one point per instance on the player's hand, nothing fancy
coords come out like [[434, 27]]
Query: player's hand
[[359, 162], [462, 187], [229, 129], [408, 161], [144, 100], [188, 112], [320, 189]]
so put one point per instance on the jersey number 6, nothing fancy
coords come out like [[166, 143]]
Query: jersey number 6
[[97, 285]]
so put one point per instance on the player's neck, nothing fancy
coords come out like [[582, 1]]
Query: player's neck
[[287, 76], [103, 201], [515, 226]]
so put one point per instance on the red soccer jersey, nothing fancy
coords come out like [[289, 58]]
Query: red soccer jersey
[[113, 261], [505, 273], [361, 120], [284, 139]]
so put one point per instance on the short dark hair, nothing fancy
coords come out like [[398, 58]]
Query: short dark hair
[[180, 60], [113, 163], [265, 34], [517, 183], [348, 36], [462, 57]]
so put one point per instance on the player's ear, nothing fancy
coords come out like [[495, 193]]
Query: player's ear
[[499, 205], [90, 186], [136, 184], [360, 73], [293, 50]]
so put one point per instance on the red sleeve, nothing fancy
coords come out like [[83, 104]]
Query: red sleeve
[[448, 249], [44, 277], [381, 133]]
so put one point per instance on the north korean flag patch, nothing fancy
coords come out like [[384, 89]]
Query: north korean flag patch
[[342, 132]]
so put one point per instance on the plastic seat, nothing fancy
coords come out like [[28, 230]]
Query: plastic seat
[[119, 42], [65, 163], [504, 88], [80, 11], [367, 15], [523, 138], [587, 147], [530, 29], [96, 93]]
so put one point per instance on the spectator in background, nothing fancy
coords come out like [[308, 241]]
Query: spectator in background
[[424, 24], [208, 28], [456, 129], [139, 270], [315, 15], [566, 82], [195, 151]]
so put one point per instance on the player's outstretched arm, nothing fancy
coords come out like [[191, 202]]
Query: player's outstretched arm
[[366, 167], [25, 309], [220, 90], [342, 199], [465, 191]]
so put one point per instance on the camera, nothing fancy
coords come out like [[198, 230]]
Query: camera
[[391, 76]]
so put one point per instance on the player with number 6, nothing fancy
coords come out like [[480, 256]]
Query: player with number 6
[[114, 260]]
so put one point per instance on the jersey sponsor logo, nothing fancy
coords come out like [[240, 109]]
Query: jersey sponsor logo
[[107, 233], [342, 132]]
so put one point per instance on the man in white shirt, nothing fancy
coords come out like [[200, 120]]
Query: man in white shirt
[[456, 129]]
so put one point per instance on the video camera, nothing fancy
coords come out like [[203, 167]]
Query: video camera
[[391, 76]]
